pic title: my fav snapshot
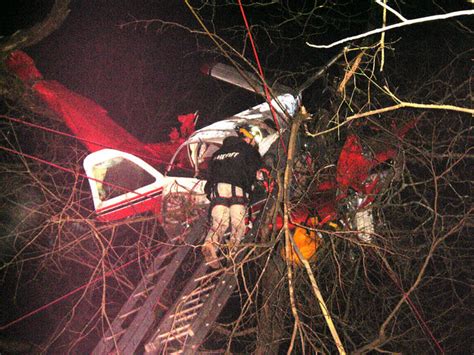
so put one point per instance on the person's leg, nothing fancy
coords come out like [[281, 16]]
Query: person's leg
[[237, 221], [220, 223]]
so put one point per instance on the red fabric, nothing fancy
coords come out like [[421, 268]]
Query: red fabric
[[23, 66], [92, 124], [89, 121], [187, 124], [174, 135], [353, 168]]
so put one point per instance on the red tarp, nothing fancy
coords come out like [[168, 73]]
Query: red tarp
[[89, 121]]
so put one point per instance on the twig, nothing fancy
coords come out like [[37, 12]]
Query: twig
[[289, 243], [286, 200], [350, 72], [404, 104], [393, 11], [384, 24], [396, 25]]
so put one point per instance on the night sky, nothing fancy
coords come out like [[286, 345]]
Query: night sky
[[147, 75], [144, 77]]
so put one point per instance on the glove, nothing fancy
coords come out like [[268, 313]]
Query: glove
[[262, 174], [208, 189]]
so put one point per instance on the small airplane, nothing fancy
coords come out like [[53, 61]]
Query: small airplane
[[128, 177]]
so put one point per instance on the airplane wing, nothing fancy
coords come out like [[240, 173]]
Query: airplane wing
[[243, 79], [286, 102], [86, 119]]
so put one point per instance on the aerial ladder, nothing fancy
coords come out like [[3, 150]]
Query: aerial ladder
[[144, 325]]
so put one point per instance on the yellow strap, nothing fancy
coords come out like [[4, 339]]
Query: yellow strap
[[246, 133]]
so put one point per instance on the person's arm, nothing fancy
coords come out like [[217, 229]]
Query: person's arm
[[210, 179]]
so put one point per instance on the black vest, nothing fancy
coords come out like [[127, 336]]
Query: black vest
[[235, 163]]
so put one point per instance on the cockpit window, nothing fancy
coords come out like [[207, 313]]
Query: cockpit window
[[181, 165], [206, 150], [192, 160], [117, 176]]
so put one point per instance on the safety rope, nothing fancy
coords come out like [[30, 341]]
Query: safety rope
[[396, 280], [32, 157], [64, 134], [70, 293], [259, 66], [224, 52]]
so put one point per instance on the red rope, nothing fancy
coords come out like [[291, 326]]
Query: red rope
[[413, 307], [87, 284], [265, 87], [46, 129], [267, 93], [80, 174], [63, 297], [68, 170]]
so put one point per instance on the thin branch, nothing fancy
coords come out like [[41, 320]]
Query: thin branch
[[382, 36], [410, 105], [286, 201], [350, 72], [289, 243], [396, 25], [393, 11]]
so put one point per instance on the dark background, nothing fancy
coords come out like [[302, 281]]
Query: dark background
[[147, 73]]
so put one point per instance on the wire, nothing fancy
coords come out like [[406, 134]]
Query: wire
[[69, 170], [413, 307], [64, 134], [63, 297], [259, 66]]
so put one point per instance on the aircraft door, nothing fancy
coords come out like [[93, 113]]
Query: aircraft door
[[185, 199], [122, 184]]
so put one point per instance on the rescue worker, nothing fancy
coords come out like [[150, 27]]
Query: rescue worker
[[232, 174]]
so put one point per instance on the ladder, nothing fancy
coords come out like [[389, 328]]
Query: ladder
[[201, 294], [138, 313], [185, 326]]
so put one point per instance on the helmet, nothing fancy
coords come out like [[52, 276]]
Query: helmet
[[252, 132]]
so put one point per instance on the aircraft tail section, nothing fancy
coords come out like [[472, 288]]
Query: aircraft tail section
[[87, 120], [242, 79]]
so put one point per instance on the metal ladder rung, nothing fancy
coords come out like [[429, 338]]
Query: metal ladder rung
[[175, 332], [156, 272], [146, 290], [151, 347], [191, 300], [187, 310], [115, 335], [186, 317], [210, 275], [197, 292], [125, 315], [177, 336]]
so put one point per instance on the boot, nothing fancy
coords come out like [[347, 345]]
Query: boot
[[210, 255]]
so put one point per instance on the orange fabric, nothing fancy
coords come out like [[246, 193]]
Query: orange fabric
[[307, 242]]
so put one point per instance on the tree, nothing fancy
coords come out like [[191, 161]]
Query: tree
[[407, 291]]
